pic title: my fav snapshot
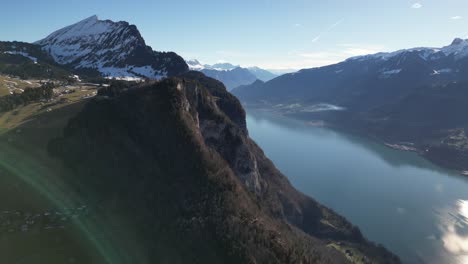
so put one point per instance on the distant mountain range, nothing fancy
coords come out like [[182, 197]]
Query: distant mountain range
[[231, 75], [261, 74], [428, 83], [366, 81]]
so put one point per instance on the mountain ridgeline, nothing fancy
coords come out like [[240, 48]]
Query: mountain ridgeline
[[174, 159], [231, 76], [415, 97], [114, 49], [91, 48], [364, 82], [29, 61]]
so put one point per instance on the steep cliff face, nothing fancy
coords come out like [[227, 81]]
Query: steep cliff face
[[115, 49], [175, 160]]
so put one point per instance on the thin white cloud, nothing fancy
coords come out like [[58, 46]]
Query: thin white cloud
[[417, 5], [332, 26], [296, 59], [456, 17], [297, 25], [331, 56], [299, 60], [335, 24], [360, 49], [316, 38]]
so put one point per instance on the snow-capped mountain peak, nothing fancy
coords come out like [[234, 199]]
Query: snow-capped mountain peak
[[87, 27], [224, 66], [458, 49], [231, 75], [195, 65], [115, 49], [90, 41], [457, 41]]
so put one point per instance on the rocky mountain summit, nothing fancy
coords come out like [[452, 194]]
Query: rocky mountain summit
[[113, 49]]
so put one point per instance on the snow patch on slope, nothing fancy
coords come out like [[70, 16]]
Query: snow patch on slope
[[389, 73], [131, 73], [195, 65], [442, 71], [22, 53]]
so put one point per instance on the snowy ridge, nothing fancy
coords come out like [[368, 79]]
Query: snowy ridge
[[195, 65], [225, 68], [115, 49], [87, 27], [82, 39], [458, 48], [130, 73], [22, 53]]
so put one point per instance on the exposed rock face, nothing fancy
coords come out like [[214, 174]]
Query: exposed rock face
[[179, 150], [237, 153], [115, 49], [216, 134]]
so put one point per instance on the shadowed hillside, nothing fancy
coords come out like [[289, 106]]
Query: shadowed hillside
[[174, 160]]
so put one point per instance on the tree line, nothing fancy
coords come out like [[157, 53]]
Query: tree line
[[10, 102]]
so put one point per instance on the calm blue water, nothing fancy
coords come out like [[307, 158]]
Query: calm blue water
[[414, 208]]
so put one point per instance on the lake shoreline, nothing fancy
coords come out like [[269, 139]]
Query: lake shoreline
[[406, 147], [374, 186], [360, 132]]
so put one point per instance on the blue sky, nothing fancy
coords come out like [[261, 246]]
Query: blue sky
[[273, 34]]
